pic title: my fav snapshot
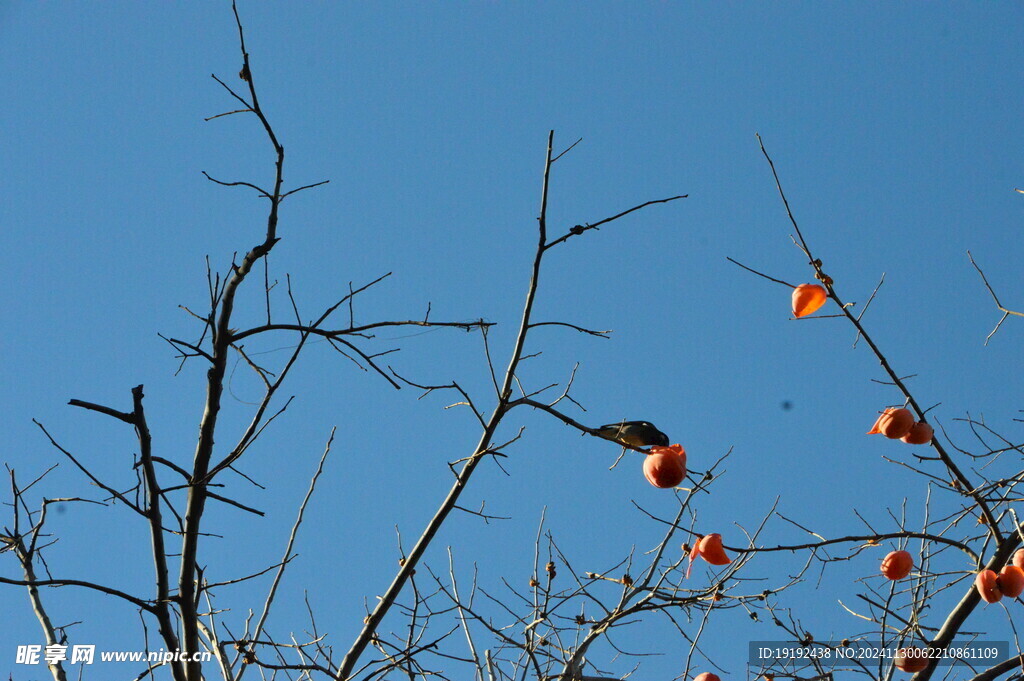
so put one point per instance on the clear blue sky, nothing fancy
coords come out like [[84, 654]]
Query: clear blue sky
[[896, 131]]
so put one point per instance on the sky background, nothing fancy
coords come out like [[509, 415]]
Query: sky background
[[895, 129]]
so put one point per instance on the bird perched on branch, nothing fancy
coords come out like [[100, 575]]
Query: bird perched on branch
[[635, 433]]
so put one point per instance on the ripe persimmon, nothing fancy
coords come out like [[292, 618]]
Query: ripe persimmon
[[1011, 581], [706, 676], [919, 434], [897, 565], [910, 660], [893, 423], [710, 549], [665, 467], [808, 298], [987, 583], [1018, 558]]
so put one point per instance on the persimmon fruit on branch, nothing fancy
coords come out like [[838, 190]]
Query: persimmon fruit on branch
[[912, 659], [893, 423], [709, 547], [992, 587], [665, 467], [897, 565], [808, 299]]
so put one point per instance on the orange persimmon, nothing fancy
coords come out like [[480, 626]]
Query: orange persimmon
[[1018, 558], [808, 298], [706, 676], [893, 423], [665, 467], [919, 434], [910, 660], [897, 565], [1011, 581], [987, 583], [710, 549]]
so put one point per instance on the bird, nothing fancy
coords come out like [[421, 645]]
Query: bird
[[634, 433]]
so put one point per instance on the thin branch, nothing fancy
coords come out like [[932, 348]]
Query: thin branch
[[567, 150], [864, 310], [137, 602], [355, 330], [263, 192], [303, 188], [580, 229], [96, 481], [760, 274], [1006, 312], [778, 185], [226, 113], [599, 334], [288, 547]]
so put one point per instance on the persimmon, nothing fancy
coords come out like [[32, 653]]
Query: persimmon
[[910, 660], [1018, 558], [1011, 581], [808, 298], [710, 549], [665, 467], [893, 423], [706, 676], [897, 565], [987, 584], [919, 434]]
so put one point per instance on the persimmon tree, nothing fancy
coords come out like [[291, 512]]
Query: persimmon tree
[[563, 622], [970, 539], [547, 634]]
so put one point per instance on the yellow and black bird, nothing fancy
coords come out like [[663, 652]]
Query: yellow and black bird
[[635, 433]]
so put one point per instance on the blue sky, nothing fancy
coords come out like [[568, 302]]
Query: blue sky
[[895, 129]]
